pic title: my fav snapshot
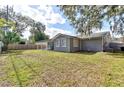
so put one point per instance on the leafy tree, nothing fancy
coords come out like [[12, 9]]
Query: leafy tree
[[37, 32], [21, 22], [7, 36], [37, 35], [40, 36], [3, 23], [11, 37], [37, 27], [85, 18], [18, 24]]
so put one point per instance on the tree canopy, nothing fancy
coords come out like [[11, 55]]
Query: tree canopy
[[18, 23], [21, 22], [37, 34], [86, 17]]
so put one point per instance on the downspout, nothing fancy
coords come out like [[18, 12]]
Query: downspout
[[102, 44], [68, 44], [80, 40]]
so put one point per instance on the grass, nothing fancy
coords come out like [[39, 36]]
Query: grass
[[50, 68]]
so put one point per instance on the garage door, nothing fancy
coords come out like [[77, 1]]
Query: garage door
[[92, 45]]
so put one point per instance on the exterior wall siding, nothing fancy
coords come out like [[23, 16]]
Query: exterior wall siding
[[83, 45], [72, 48], [92, 45], [106, 41], [68, 44], [65, 49]]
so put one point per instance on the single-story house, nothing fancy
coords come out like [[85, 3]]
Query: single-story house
[[42, 44], [121, 39], [116, 45], [62, 42], [94, 42]]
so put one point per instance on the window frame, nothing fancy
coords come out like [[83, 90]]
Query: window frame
[[57, 43], [63, 42], [75, 42]]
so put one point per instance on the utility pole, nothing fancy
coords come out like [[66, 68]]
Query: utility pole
[[7, 16], [7, 13]]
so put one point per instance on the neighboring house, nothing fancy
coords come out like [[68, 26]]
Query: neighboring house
[[115, 45], [121, 39], [94, 42], [42, 43]]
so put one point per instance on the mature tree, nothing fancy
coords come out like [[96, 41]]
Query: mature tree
[[37, 33], [8, 38], [3, 25], [21, 22], [40, 36], [11, 37], [37, 27], [85, 18]]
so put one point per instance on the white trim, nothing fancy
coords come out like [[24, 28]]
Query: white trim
[[63, 42], [57, 43]]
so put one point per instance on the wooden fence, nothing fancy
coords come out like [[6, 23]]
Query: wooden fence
[[25, 47]]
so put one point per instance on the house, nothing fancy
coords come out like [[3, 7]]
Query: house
[[94, 42], [42, 44], [67, 43], [117, 46], [121, 39]]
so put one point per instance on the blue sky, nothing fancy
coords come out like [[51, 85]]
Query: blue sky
[[65, 26], [52, 17]]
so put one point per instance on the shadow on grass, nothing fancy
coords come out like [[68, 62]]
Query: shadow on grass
[[29, 66], [12, 52], [85, 53], [77, 52], [16, 72], [116, 54], [15, 52]]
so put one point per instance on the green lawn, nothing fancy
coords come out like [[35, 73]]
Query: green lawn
[[50, 68]]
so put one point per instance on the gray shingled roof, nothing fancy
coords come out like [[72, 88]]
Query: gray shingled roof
[[63, 35], [96, 35], [93, 35]]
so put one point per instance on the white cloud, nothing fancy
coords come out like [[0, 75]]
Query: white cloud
[[26, 33], [49, 31], [44, 14]]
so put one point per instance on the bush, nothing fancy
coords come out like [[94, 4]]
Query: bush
[[22, 42], [4, 48]]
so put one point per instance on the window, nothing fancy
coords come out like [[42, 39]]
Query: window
[[75, 42], [57, 43], [63, 42]]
